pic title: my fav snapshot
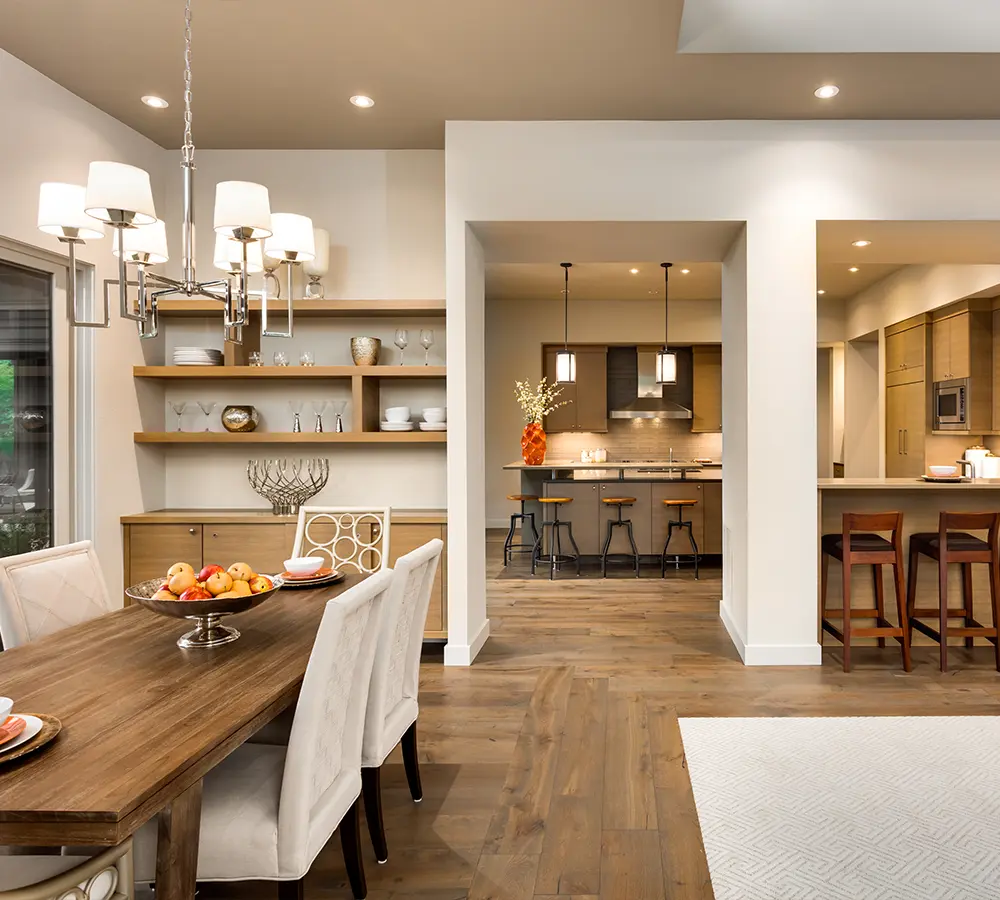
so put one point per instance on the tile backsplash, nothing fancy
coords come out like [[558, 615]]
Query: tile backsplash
[[639, 439]]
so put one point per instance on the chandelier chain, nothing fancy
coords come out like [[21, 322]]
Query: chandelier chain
[[188, 147]]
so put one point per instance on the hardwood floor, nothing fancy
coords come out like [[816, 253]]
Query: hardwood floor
[[553, 767]]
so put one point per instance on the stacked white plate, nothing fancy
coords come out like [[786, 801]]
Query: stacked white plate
[[433, 426], [397, 426], [197, 356]]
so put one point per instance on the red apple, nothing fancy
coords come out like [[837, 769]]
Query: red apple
[[195, 593], [209, 571], [260, 584]]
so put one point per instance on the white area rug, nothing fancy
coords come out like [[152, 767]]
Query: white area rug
[[852, 808]]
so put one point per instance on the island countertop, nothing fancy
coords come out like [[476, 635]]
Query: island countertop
[[906, 484], [567, 464]]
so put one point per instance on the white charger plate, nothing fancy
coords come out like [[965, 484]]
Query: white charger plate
[[397, 426], [32, 725], [433, 426]]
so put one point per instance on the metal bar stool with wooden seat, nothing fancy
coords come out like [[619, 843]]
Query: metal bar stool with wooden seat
[[555, 557], [858, 545], [963, 549], [620, 502], [528, 518], [681, 524]]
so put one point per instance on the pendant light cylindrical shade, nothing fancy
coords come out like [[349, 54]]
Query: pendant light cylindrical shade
[[229, 255], [319, 265], [291, 238], [146, 244], [60, 212], [243, 209], [119, 194], [666, 362], [566, 358]]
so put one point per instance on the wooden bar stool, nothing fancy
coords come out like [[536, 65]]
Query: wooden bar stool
[[681, 524], [555, 557], [620, 502], [867, 549], [964, 549], [509, 547]]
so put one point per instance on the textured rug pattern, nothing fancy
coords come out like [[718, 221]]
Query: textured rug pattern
[[848, 808]]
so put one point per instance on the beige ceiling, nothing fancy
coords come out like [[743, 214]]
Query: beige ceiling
[[602, 281], [279, 75]]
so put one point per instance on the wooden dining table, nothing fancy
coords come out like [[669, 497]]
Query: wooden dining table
[[144, 721]]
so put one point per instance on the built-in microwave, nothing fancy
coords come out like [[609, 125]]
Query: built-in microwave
[[951, 405]]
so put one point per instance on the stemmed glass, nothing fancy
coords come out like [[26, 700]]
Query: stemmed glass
[[401, 339], [207, 407], [426, 341], [318, 407], [179, 407], [296, 407], [338, 407]]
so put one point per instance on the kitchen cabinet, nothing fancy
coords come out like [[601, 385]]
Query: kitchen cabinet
[[906, 351], [962, 347], [951, 347], [707, 398], [640, 513], [906, 411], [583, 513], [588, 406], [265, 547], [152, 549], [713, 518], [405, 538], [695, 514]]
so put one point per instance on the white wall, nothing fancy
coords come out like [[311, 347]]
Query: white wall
[[778, 177], [52, 135]]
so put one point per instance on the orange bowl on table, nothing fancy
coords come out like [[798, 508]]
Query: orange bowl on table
[[315, 576], [11, 728]]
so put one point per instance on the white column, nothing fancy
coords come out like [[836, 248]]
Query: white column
[[468, 627], [769, 447]]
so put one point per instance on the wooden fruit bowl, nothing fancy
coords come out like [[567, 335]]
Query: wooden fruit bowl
[[210, 632]]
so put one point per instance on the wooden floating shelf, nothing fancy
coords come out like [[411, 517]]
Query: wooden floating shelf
[[280, 437], [307, 307], [255, 372]]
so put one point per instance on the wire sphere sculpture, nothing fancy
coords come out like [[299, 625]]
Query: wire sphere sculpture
[[287, 484]]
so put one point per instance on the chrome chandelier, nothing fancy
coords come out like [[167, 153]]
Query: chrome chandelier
[[120, 196]]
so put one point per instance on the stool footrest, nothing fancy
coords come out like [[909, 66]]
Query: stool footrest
[[837, 613]]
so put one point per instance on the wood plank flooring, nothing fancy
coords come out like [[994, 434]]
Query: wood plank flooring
[[553, 768]]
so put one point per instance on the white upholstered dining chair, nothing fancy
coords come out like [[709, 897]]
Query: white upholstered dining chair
[[352, 538], [268, 810], [106, 876], [392, 703], [47, 590]]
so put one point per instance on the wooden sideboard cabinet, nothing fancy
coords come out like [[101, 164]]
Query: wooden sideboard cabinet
[[153, 541]]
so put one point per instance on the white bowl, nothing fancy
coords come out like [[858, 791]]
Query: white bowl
[[304, 565], [6, 705], [397, 414], [435, 415], [942, 471]]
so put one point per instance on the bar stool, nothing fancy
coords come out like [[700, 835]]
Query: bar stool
[[867, 549], [619, 502], [509, 547], [555, 557], [681, 524], [964, 549]]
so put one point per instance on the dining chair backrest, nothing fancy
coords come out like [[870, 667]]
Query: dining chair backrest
[[352, 538], [392, 704], [322, 774], [47, 590], [106, 876]]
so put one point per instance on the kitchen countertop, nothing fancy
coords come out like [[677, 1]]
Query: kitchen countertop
[[611, 464], [261, 516], [905, 484]]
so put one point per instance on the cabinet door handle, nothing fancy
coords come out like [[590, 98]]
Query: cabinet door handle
[[190, 531], [906, 441], [215, 534]]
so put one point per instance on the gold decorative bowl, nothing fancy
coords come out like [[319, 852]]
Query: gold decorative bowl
[[210, 632], [365, 350], [240, 419]]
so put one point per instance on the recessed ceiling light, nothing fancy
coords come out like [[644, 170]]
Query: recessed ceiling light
[[362, 101], [827, 91], [861, 243], [634, 271], [853, 269], [685, 271], [820, 291], [155, 102]]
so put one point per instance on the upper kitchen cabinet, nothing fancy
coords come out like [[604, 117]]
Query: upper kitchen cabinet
[[906, 351], [962, 345], [588, 406], [707, 398]]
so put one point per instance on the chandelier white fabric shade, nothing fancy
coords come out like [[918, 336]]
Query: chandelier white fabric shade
[[565, 367], [320, 264], [117, 193], [242, 206], [291, 238], [666, 367], [60, 212], [146, 244], [229, 255]]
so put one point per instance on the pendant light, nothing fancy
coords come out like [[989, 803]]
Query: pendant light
[[566, 358], [666, 362]]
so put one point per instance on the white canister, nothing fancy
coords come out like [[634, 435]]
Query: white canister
[[586, 456], [600, 455], [976, 455], [991, 467]]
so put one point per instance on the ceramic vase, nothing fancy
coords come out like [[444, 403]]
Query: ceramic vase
[[533, 444]]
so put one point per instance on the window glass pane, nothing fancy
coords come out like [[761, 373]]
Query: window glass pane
[[26, 413]]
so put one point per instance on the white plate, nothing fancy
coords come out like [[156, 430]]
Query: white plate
[[31, 727], [433, 426], [397, 426]]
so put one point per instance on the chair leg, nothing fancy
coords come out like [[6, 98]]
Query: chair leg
[[508, 541], [994, 570], [555, 550], [411, 763], [350, 842], [576, 550], [604, 549], [904, 623], [943, 610], [911, 590], [879, 598], [847, 612], [967, 601], [531, 516], [537, 549], [694, 548], [371, 790], [635, 549], [291, 890]]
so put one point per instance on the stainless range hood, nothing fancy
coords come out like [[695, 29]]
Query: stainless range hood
[[650, 402]]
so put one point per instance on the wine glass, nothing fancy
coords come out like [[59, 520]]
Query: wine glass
[[296, 407], [338, 408], [401, 339], [179, 407], [426, 341], [318, 407], [207, 407]]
